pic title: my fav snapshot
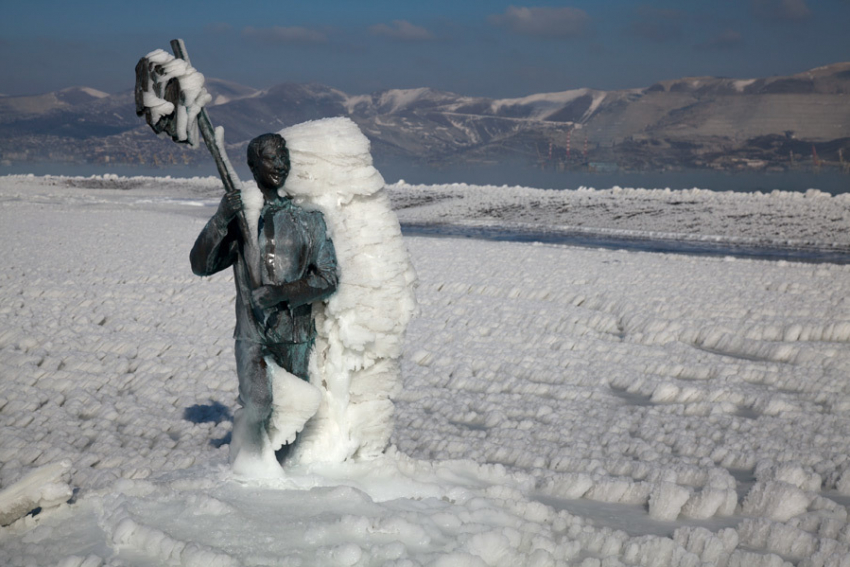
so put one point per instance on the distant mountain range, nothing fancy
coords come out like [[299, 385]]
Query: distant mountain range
[[721, 123]]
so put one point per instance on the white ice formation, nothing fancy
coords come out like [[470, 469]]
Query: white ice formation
[[295, 401], [193, 95], [360, 329], [44, 487], [803, 219]]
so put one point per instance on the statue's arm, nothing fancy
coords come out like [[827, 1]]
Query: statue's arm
[[319, 283], [216, 247], [322, 278]]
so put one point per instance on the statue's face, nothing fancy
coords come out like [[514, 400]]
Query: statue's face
[[272, 169]]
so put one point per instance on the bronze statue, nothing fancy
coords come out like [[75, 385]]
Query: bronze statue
[[298, 268]]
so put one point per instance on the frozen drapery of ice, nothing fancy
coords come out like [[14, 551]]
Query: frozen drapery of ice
[[360, 330], [185, 104], [295, 401]]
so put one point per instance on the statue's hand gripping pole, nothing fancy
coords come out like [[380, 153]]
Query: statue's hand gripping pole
[[152, 98]]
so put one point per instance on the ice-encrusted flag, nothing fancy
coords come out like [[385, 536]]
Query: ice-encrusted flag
[[170, 94]]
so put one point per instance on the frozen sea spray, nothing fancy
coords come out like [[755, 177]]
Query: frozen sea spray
[[360, 330]]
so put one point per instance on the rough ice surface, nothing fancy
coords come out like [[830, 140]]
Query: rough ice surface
[[801, 219], [558, 403], [43, 487]]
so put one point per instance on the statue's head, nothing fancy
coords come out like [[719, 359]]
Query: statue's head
[[268, 158]]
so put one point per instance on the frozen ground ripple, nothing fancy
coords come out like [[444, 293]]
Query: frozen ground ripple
[[638, 379]]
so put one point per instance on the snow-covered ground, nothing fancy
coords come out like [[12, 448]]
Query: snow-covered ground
[[561, 406]]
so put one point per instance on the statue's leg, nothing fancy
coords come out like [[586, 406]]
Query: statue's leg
[[292, 357], [250, 450], [255, 392]]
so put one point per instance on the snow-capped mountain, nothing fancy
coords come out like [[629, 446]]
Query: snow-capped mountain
[[696, 121]]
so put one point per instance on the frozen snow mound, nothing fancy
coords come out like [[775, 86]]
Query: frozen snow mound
[[44, 487], [360, 330]]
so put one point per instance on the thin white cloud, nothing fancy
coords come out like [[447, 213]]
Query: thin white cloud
[[278, 34], [543, 21], [401, 30], [785, 10]]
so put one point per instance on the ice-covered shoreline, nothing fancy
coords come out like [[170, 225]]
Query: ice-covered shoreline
[[703, 400], [810, 220], [813, 219]]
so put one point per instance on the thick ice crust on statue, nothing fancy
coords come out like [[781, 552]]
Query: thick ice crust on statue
[[170, 93], [360, 329], [294, 402]]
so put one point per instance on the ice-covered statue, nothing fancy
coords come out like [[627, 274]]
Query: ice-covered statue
[[274, 321], [324, 286]]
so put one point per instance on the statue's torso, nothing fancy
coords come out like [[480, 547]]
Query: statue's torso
[[287, 239]]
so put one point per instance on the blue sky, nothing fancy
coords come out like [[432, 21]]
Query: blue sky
[[473, 47]]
